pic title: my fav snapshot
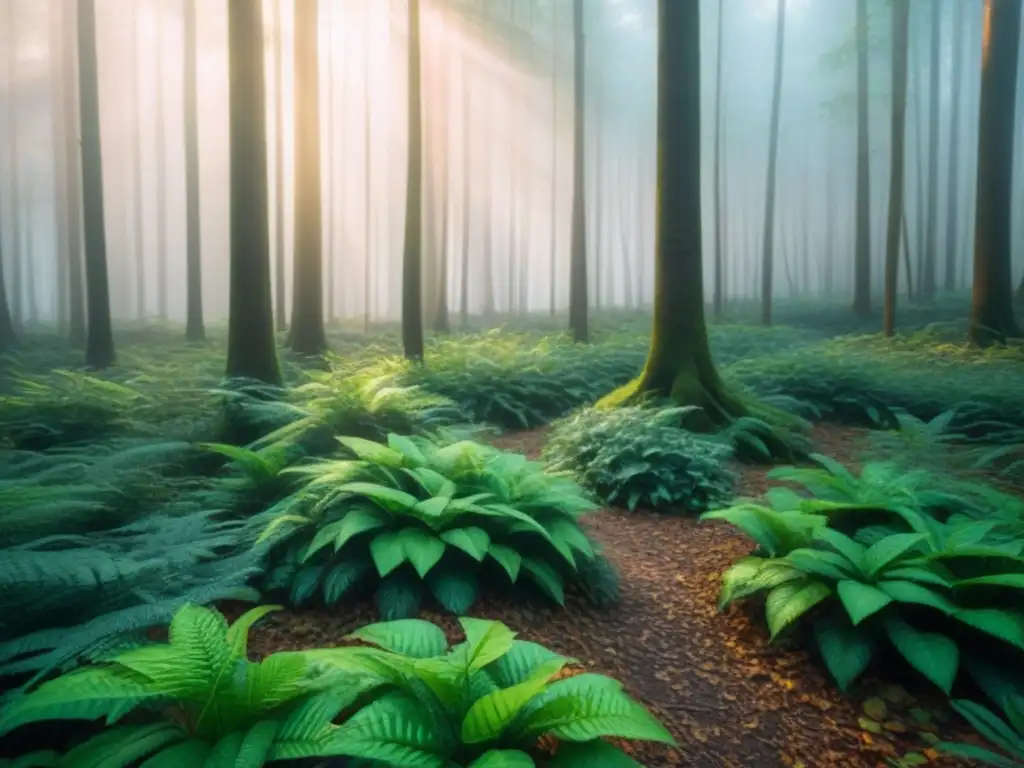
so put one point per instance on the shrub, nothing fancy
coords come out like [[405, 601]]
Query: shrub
[[196, 699], [859, 569], [414, 513], [485, 702], [1007, 735], [640, 457]]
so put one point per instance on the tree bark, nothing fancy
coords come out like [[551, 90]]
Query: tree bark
[[897, 139], [13, 130], [578, 301], [412, 259], [862, 238], [306, 336], [99, 350], [251, 350], [952, 197], [717, 294], [927, 290], [992, 301], [768, 238], [553, 278], [194, 326]]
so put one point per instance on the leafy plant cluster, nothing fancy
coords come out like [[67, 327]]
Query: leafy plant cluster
[[639, 457], [890, 564], [415, 516], [403, 698]]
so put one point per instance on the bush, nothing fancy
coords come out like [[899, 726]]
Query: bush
[[873, 562], [196, 700], [487, 701], [413, 513], [640, 457]]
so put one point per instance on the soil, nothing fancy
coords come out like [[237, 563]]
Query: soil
[[729, 697]]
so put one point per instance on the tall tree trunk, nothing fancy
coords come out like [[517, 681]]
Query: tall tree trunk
[[906, 255], [60, 162], [280, 300], [931, 236], [862, 239], [768, 238], [251, 350], [553, 277], [161, 176], [467, 137], [578, 250], [138, 240], [897, 139], [8, 336], [368, 283], [329, 282], [194, 327], [17, 283], [992, 302], [920, 196], [828, 269], [31, 284], [952, 197], [99, 350], [717, 295], [306, 335], [599, 197], [412, 258], [72, 123], [441, 320]]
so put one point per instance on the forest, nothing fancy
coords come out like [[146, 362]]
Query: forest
[[509, 383]]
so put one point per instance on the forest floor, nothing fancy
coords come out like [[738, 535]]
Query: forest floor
[[729, 697]]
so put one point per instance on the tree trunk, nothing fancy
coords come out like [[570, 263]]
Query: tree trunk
[[251, 350], [952, 198], [900, 43], [828, 269], [927, 290], [906, 256], [7, 334], [72, 123], [578, 250], [442, 322], [862, 239], [99, 350], [368, 284], [768, 241], [306, 336], [717, 295], [161, 180], [60, 158], [280, 305], [553, 278], [328, 286], [992, 302], [467, 137], [194, 327], [13, 131], [138, 239], [412, 259]]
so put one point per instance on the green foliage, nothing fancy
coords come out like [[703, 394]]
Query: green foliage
[[640, 457], [414, 515], [879, 559], [196, 700], [487, 701], [1006, 734]]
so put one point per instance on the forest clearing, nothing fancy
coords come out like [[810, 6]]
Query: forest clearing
[[562, 449]]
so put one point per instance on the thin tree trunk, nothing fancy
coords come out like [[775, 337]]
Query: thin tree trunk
[[60, 157], [17, 283], [280, 310], [931, 237], [368, 286], [906, 257], [578, 251], [138, 240], [329, 282], [862, 238], [72, 123], [161, 177], [194, 327], [99, 351], [992, 302], [467, 137], [952, 197], [768, 241], [717, 295], [897, 139], [553, 279], [412, 260]]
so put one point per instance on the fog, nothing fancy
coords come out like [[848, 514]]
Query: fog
[[498, 145]]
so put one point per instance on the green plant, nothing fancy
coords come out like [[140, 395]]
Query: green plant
[[1007, 734], [640, 457], [414, 513], [196, 700], [486, 701]]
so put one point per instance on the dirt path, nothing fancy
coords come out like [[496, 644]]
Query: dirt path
[[728, 696]]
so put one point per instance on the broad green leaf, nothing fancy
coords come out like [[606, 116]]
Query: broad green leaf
[[408, 449], [750, 575], [817, 562], [1007, 625], [396, 730], [375, 453], [489, 716], [390, 499], [909, 592], [471, 540], [486, 641], [507, 558], [412, 637], [788, 602], [861, 601], [503, 758], [343, 576], [933, 655], [590, 754], [1009, 580], [356, 521], [845, 649], [238, 632], [844, 545], [416, 545], [454, 588], [597, 713], [546, 577], [520, 662], [890, 549]]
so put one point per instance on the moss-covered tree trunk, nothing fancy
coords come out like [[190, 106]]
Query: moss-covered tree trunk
[[679, 364], [251, 350], [194, 326], [992, 305], [578, 300], [306, 336], [862, 237], [412, 259], [897, 217], [99, 348], [768, 238]]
